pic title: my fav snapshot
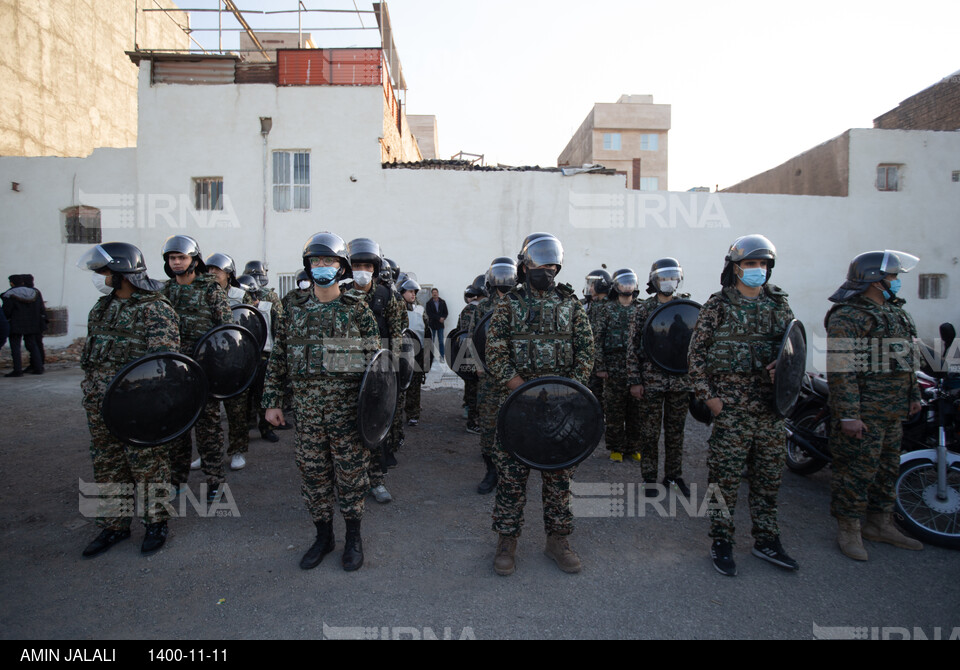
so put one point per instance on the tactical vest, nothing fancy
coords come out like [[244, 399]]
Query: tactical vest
[[323, 339], [110, 344], [541, 337], [749, 336], [379, 297], [617, 333], [889, 346], [193, 309]]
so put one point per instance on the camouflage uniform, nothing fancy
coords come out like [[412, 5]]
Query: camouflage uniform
[[490, 393], [254, 396], [621, 410], [734, 340], [666, 399], [594, 309], [562, 345], [119, 331], [391, 322], [467, 322], [871, 363], [323, 349], [200, 306]]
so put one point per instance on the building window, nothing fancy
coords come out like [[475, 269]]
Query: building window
[[291, 180], [649, 142], [888, 177], [208, 193], [286, 282], [82, 225], [955, 176], [933, 287], [611, 141], [649, 183]]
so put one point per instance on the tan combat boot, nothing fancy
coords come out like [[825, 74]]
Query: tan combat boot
[[504, 563], [879, 527], [848, 537], [559, 550]]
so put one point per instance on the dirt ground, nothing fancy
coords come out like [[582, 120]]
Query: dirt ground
[[428, 570]]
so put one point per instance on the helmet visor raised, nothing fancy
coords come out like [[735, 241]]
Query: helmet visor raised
[[95, 259], [895, 262]]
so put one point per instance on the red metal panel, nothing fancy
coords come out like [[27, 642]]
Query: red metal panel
[[329, 67]]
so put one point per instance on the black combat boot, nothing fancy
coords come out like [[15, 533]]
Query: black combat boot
[[324, 545], [154, 538], [352, 548], [106, 539], [489, 482]]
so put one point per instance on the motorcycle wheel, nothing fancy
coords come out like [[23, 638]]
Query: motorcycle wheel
[[798, 460], [921, 513]]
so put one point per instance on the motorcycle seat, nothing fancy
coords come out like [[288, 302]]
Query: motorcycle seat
[[820, 386]]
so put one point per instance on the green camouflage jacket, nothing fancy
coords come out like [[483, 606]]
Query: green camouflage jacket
[[119, 331], [200, 306], [611, 336]]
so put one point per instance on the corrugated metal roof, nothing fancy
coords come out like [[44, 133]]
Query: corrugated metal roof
[[256, 73], [205, 71]]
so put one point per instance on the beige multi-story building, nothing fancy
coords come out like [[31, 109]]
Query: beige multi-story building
[[629, 136], [66, 85]]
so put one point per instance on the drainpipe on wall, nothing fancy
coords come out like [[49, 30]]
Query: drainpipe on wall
[[266, 123]]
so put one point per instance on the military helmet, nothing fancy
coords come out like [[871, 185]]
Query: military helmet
[[872, 267], [302, 276], [501, 275], [393, 268], [114, 256], [598, 281], [182, 244], [327, 245], [625, 282], [748, 248], [248, 283], [225, 263], [539, 249], [365, 250], [257, 269], [664, 269]]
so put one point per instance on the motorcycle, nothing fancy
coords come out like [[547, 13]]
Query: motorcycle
[[928, 486]]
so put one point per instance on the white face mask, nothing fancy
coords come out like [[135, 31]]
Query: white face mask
[[235, 293], [362, 278], [304, 285], [669, 286], [100, 282]]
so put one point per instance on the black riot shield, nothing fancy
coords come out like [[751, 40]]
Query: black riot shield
[[251, 318], [411, 358], [667, 333], [791, 368], [377, 401], [229, 355], [155, 399], [550, 423], [479, 337], [460, 355]]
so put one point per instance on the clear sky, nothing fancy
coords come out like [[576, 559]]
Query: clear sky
[[751, 83]]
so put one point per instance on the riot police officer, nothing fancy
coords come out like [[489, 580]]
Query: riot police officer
[[130, 320], [322, 345], [521, 347], [731, 362], [263, 294], [467, 321]]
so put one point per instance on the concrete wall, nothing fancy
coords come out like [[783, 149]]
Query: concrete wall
[[934, 108], [424, 129], [66, 86], [819, 171]]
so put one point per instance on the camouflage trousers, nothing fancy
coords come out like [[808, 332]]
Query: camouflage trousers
[[511, 497], [412, 402], [329, 454], [490, 396], [470, 389], [238, 423], [670, 409], [376, 468], [622, 415], [741, 438], [865, 470], [255, 397], [209, 435], [120, 471], [596, 387]]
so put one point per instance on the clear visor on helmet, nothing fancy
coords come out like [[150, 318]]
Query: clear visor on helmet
[[502, 274], [544, 251], [675, 274], [181, 244], [895, 262], [626, 283], [95, 259]]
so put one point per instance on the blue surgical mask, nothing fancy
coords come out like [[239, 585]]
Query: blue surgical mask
[[895, 285], [754, 277], [324, 276]]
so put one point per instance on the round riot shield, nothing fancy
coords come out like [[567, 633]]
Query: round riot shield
[[411, 351], [377, 401], [791, 368], [667, 333], [460, 355], [155, 399], [229, 355], [252, 319], [480, 340], [550, 423]]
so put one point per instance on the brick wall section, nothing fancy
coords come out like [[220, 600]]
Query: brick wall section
[[934, 108], [823, 170]]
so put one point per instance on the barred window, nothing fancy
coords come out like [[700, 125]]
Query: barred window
[[933, 287], [888, 177], [82, 225], [208, 192], [291, 180]]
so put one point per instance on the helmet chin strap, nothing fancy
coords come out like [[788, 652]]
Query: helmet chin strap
[[190, 268]]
